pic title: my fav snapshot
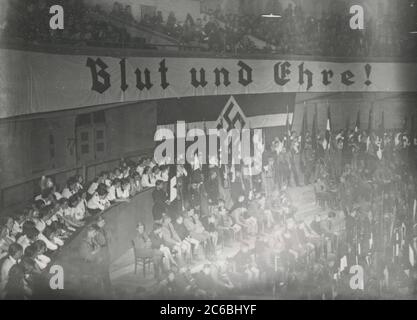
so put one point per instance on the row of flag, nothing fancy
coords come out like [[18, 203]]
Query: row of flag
[[327, 136]]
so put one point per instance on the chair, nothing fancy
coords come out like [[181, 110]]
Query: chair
[[145, 261], [320, 198], [333, 200]]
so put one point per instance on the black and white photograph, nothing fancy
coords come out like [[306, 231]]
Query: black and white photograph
[[216, 150]]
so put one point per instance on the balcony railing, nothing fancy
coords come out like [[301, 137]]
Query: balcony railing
[[103, 48]]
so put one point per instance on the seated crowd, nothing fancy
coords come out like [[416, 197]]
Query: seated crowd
[[297, 32], [30, 239]]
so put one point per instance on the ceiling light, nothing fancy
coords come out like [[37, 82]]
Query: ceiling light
[[271, 15]]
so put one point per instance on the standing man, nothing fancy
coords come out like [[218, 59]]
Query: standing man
[[160, 201], [14, 254], [294, 158], [95, 266], [308, 160]]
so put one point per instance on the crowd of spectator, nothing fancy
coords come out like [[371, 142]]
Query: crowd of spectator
[[296, 32], [364, 183]]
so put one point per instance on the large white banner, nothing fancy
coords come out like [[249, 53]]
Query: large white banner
[[32, 82]]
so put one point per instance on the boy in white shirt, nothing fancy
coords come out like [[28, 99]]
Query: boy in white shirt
[[140, 167], [98, 201], [78, 208], [147, 181], [123, 192], [41, 259], [70, 189]]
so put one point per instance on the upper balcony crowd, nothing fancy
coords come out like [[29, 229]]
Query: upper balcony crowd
[[295, 33]]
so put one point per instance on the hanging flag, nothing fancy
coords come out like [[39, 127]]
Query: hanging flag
[[288, 130], [382, 127], [411, 255], [196, 163], [303, 130], [413, 143], [397, 244], [206, 161], [314, 129], [386, 276], [343, 263], [233, 172], [403, 234], [172, 178], [358, 122], [328, 131], [370, 128], [371, 118], [287, 124], [346, 135], [371, 241]]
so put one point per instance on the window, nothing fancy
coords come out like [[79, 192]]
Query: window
[[91, 136], [85, 149]]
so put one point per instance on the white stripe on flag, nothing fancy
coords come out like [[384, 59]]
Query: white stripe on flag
[[173, 189], [271, 120]]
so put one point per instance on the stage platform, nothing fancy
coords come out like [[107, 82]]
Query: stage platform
[[125, 282]]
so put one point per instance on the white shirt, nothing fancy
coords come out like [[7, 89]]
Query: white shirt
[[92, 188], [139, 169], [46, 201], [111, 195], [79, 211], [23, 241], [57, 195], [95, 203], [42, 261], [78, 186], [40, 224], [147, 182], [181, 171], [67, 193], [17, 228], [49, 244], [122, 193], [58, 241], [68, 212]]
